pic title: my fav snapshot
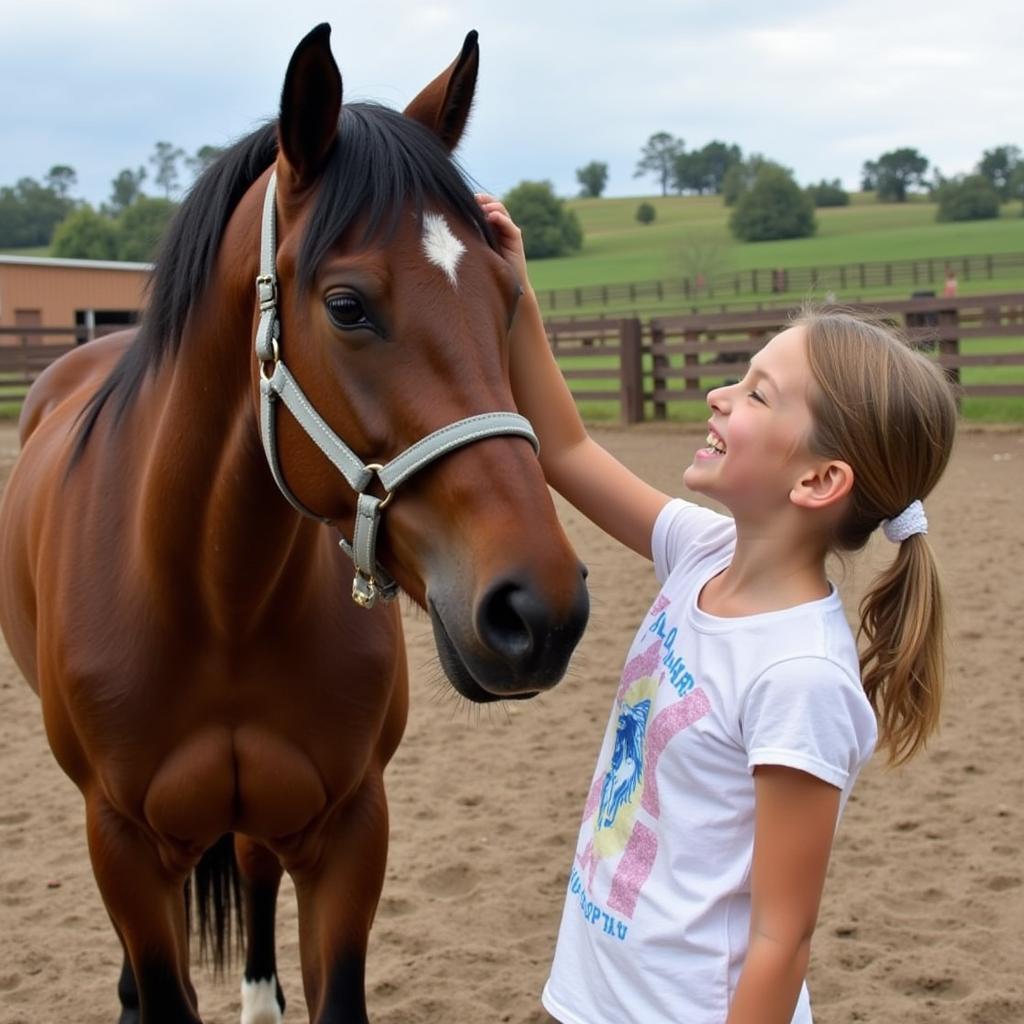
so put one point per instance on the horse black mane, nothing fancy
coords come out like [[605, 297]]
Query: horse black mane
[[380, 161]]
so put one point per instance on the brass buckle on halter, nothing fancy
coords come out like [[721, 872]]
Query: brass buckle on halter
[[364, 590], [272, 362], [376, 467]]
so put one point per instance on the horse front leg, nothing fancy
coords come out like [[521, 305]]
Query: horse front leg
[[260, 871], [145, 901], [337, 898]]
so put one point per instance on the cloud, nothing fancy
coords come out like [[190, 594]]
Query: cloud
[[820, 87]]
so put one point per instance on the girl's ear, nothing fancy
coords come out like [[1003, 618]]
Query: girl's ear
[[822, 485]]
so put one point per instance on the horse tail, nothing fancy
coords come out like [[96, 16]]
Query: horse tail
[[218, 904]]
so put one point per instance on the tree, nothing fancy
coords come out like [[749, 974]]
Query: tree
[[658, 158], [165, 159], [828, 193], [893, 173], [60, 179], [997, 166], [549, 229], [592, 179], [689, 173], [141, 226], [741, 176], [645, 213], [126, 188], [973, 197], [1015, 186], [705, 169], [773, 207], [86, 235], [29, 211], [718, 157], [203, 158]]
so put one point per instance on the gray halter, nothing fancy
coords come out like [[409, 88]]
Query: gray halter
[[276, 383]]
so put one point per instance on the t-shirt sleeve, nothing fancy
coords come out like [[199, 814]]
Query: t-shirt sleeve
[[684, 530], [808, 713]]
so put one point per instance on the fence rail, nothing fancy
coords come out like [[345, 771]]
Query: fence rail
[[645, 366], [677, 358], [841, 277]]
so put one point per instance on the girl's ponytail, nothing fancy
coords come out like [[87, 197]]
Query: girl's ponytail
[[889, 413], [902, 657]]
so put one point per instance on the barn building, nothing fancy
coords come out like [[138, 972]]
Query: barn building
[[76, 299]]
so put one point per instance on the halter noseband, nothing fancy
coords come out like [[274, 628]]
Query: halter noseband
[[276, 383]]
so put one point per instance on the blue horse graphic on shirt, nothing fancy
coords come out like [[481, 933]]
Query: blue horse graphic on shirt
[[627, 768]]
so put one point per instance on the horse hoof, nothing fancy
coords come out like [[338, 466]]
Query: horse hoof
[[260, 1002]]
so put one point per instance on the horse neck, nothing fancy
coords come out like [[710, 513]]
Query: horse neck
[[208, 491]]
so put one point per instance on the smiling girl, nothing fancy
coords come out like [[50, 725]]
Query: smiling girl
[[744, 711]]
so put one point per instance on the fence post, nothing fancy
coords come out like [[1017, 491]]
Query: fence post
[[659, 364], [693, 359], [631, 374], [948, 322]]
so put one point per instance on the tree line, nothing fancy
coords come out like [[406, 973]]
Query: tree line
[[127, 226], [767, 203]]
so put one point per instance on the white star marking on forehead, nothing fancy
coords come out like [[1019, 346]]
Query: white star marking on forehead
[[443, 249]]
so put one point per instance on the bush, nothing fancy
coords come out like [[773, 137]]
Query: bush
[[549, 229], [141, 226], [828, 193], [645, 213], [773, 207], [969, 198], [85, 235]]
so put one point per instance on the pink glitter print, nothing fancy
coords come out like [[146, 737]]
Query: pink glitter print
[[673, 720], [640, 667], [633, 870]]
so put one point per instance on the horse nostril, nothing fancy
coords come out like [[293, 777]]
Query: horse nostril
[[507, 621]]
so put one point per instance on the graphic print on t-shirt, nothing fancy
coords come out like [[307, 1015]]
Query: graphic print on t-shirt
[[629, 783]]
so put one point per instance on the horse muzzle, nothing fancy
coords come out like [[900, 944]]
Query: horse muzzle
[[515, 643]]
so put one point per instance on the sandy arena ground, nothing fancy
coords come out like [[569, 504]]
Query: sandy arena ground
[[923, 915]]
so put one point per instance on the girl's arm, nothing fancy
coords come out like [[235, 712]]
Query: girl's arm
[[795, 819], [592, 479]]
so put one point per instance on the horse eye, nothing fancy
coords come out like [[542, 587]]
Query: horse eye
[[346, 312]]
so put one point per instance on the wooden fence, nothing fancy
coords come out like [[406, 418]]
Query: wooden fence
[[26, 351], [646, 366], [677, 358], [842, 278]]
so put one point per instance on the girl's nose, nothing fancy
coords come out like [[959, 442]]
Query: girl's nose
[[718, 399]]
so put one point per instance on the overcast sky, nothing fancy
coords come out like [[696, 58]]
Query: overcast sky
[[819, 85]]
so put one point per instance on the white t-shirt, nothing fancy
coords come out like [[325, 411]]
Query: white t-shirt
[[656, 920]]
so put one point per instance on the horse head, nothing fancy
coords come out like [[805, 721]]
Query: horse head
[[391, 312]]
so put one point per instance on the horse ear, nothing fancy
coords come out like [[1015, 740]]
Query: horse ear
[[310, 107], [443, 106]]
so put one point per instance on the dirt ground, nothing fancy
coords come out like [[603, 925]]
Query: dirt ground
[[923, 914]]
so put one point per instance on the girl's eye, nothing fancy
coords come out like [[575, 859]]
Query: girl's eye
[[346, 312], [757, 398]]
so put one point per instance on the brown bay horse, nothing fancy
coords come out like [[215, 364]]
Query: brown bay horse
[[325, 343]]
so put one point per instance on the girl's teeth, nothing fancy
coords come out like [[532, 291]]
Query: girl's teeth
[[715, 444]]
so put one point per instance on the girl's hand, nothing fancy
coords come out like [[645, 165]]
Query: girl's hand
[[510, 238]]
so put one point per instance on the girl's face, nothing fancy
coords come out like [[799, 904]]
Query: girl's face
[[758, 431]]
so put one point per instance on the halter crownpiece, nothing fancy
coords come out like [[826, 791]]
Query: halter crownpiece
[[910, 521], [277, 384]]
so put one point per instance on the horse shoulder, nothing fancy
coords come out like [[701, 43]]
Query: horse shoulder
[[73, 378]]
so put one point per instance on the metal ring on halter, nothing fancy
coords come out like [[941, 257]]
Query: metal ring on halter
[[376, 467], [272, 363]]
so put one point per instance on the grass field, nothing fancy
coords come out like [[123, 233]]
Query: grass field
[[618, 249]]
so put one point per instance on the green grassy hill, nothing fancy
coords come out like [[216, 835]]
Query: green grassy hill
[[618, 249]]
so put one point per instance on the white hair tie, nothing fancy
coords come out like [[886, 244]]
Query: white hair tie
[[910, 521]]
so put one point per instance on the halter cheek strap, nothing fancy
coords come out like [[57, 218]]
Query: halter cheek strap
[[278, 385]]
